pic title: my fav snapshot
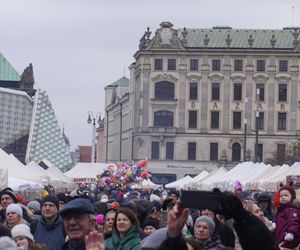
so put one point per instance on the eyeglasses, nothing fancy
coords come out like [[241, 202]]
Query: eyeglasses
[[76, 217]]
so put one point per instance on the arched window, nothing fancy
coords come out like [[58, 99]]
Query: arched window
[[236, 152], [163, 118], [164, 90]]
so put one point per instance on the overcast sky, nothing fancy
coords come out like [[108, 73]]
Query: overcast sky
[[77, 47]]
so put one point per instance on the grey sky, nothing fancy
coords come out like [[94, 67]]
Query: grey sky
[[77, 47]]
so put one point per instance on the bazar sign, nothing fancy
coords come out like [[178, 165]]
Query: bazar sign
[[85, 180], [179, 166]]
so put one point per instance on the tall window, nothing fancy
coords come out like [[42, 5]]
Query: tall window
[[163, 118], [261, 96], [261, 65], [155, 150], [260, 151], [216, 65], [238, 65], [192, 119], [280, 153], [237, 120], [214, 123], [193, 91], [236, 152], [214, 151], [283, 65], [281, 121], [158, 64], [237, 92], [261, 118], [164, 90], [191, 151], [215, 91], [282, 92], [171, 64], [194, 64], [169, 150]]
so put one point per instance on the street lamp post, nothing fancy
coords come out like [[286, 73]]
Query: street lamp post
[[245, 130], [92, 120], [256, 125]]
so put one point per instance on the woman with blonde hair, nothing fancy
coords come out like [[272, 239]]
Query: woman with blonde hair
[[14, 216], [252, 207]]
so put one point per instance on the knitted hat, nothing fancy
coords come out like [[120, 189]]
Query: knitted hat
[[7, 243], [238, 186], [154, 197], [14, 208], [290, 188], [9, 192], [22, 230], [51, 198], [210, 222], [34, 205], [62, 197], [100, 219], [154, 240], [149, 221]]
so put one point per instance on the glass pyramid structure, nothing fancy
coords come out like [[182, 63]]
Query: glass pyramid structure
[[7, 72], [46, 139]]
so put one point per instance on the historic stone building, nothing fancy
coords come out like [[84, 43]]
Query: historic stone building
[[193, 90]]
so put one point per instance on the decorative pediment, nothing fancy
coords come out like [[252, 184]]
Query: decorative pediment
[[216, 76], [260, 78], [237, 77], [166, 38], [164, 77], [193, 77]]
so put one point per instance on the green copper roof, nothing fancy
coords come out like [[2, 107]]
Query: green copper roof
[[239, 38], [7, 72], [122, 86]]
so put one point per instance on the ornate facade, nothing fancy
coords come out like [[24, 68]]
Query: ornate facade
[[193, 90]]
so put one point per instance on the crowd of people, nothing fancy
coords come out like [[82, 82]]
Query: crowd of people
[[122, 219]]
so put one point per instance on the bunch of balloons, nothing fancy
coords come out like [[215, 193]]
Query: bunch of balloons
[[122, 173]]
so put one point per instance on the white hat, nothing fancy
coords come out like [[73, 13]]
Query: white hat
[[14, 208], [7, 243], [154, 197], [22, 230], [104, 198]]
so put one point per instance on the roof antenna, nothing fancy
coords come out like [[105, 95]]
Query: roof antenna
[[124, 72], [293, 10]]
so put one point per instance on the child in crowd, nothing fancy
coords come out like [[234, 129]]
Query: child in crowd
[[287, 231]]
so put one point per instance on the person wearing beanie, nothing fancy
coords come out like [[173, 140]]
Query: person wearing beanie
[[49, 229], [7, 197], [22, 236], [14, 216], [62, 200], [203, 230], [150, 225], [287, 232], [238, 189], [35, 208]]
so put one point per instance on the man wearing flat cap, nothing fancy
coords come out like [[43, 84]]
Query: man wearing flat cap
[[79, 222], [49, 229]]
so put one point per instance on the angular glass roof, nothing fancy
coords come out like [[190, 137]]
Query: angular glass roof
[[7, 72], [46, 139]]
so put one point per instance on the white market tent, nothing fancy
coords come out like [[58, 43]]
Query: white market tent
[[240, 172], [179, 183], [194, 182], [206, 183], [16, 168], [87, 170], [53, 170], [271, 176], [17, 184], [149, 184]]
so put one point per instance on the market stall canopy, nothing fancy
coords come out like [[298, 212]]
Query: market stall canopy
[[16, 168], [50, 168], [18, 184], [179, 183], [194, 182], [206, 183], [87, 171]]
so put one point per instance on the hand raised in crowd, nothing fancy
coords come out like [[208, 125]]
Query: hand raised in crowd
[[94, 241], [177, 218]]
